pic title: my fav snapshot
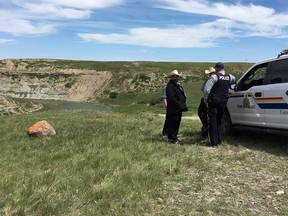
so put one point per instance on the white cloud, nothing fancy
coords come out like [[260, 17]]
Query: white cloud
[[68, 9], [85, 4], [250, 30], [203, 35], [17, 26], [55, 12], [231, 21], [34, 17], [252, 14], [248, 20], [2, 41]]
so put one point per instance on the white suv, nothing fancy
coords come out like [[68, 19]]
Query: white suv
[[259, 99]]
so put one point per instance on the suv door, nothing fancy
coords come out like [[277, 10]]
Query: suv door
[[275, 101], [242, 104]]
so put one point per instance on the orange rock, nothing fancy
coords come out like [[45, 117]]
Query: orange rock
[[42, 128]]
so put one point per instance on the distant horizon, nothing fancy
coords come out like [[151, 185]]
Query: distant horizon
[[117, 60], [144, 30]]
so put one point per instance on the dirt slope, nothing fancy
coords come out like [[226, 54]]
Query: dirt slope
[[21, 80], [9, 106]]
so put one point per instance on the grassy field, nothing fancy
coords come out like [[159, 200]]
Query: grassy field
[[117, 163], [135, 103], [111, 163]]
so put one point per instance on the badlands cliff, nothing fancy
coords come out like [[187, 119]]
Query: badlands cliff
[[25, 79], [86, 81]]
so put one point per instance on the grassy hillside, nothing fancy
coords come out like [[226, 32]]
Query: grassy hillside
[[139, 82], [120, 66], [118, 164], [149, 79]]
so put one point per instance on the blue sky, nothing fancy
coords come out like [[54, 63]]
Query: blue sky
[[144, 30]]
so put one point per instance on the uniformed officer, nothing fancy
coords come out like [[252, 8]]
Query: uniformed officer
[[216, 93]]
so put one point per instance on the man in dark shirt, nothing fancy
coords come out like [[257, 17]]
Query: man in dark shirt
[[176, 104], [202, 108]]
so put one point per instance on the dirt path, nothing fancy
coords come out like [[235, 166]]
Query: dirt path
[[185, 117]]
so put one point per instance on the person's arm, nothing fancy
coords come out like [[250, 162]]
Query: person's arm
[[165, 102], [208, 86], [164, 97]]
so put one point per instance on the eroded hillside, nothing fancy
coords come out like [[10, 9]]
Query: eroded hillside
[[25, 79], [9, 106], [91, 81], [76, 80]]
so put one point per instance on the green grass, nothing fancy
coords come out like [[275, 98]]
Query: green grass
[[137, 103], [118, 164], [138, 66]]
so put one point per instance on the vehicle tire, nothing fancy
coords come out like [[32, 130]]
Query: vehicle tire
[[227, 126]]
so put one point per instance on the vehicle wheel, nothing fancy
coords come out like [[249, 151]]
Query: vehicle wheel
[[227, 126]]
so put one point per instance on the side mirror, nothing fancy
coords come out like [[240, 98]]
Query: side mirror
[[233, 87]]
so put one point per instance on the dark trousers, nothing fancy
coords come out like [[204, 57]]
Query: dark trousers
[[173, 122], [215, 112], [203, 115], [165, 127]]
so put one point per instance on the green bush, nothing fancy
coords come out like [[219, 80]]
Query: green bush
[[143, 77], [155, 101], [68, 85], [113, 95]]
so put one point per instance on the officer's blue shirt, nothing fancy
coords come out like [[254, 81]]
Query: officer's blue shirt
[[211, 81]]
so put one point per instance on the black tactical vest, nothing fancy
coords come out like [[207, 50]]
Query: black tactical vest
[[221, 87]]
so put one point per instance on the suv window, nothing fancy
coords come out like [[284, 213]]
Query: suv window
[[278, 72], [254, 77]]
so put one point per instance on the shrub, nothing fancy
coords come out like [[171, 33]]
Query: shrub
[[143, 77], [113, 95], [155, 101], [68, 85]]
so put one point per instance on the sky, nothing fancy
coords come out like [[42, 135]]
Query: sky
[[144, 30]]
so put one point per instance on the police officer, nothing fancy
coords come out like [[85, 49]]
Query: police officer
[[216, 93]]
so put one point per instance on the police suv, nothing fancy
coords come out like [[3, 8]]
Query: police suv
[[259, 99]]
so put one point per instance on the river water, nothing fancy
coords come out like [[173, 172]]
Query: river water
[[62, 105], [73, 105]]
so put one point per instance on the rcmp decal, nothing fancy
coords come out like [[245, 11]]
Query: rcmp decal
[[246, 103]]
